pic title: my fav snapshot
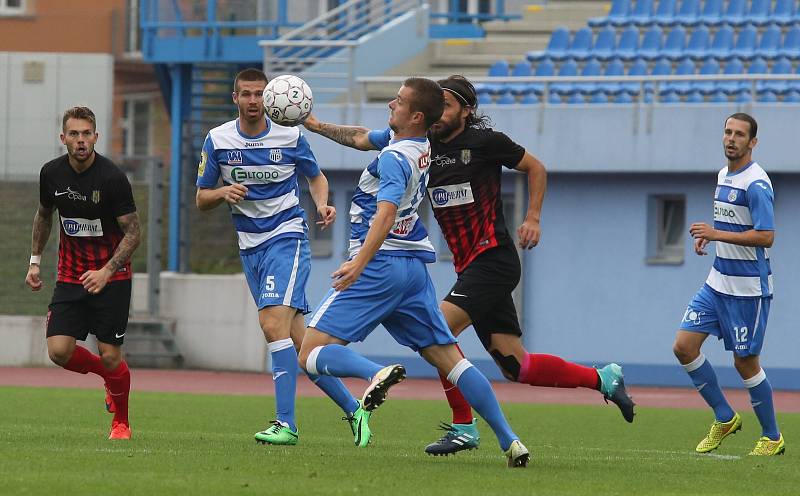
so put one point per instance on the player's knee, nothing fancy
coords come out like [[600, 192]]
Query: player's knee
[[509, 365], [111, 360], [59, 357], [302, 358], [683, 352]]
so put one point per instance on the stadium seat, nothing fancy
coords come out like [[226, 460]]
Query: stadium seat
[[675, 43], [688, 13], [591, 68], [743, 96], [780, 66], [722, 44], [605, 44], [695, 96], [484, 98], [623, 97], [651, 43], [628, 45], [685, 67], [791, 42], [505, 98], [767, 96], [712, 13], [567, 68], [617, 15], [669, 96], [759, 12], [665, 13], [662, 67], [598, 97], [709, 67], [770, 42], [558, 44], [718, 96], [530, 98], [642, 13], [746, 41], [699, 42], [614, 67], [521, 69], [575, 98], [784, 12], [545, 68], [581, 44], [757, 66], [498, 69], [637, 68], [735, 13], [733, 66], [554, 98], [792, 96]]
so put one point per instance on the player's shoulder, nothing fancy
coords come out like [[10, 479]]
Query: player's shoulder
[[108, 167], [54, 165], [224, 130]]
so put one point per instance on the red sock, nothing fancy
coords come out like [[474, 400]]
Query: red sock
[[84, 361], [552, 371], [462, 412], [119, 384]]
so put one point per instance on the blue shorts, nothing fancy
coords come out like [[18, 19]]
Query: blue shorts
[[740, 322], [277, 274], [394, 291]]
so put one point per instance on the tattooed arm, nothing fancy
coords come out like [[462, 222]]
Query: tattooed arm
[[42, 224], [95, 280], [352, 136]]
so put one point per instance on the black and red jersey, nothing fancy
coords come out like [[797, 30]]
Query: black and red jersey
[[464, 189], [88, 205]]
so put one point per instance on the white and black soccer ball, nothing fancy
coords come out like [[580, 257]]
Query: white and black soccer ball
[[288, 100]]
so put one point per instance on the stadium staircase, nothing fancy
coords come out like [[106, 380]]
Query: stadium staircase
[[150, 342]]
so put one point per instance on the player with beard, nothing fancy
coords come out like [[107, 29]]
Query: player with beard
[[99, 230], [464, 189], [733, 304]]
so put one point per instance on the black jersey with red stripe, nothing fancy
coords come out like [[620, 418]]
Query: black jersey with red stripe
[[464, 189], [88, 205]]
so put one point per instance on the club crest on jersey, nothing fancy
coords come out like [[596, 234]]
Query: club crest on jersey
[[96, 196], [466, 156], [275, 154], [732, 195]]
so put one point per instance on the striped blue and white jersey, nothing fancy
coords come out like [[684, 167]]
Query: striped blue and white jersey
[[742, 201], [399, 174], [267, 165]]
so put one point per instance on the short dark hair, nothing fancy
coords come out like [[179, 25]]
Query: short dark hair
[[249, 74], [741, 116], [464, 92], [428, 99], [83, 113]]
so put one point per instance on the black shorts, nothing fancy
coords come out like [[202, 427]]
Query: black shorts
[[483, 290], [76, 312]]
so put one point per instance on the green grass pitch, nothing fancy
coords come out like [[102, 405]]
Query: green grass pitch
[[53, 441]]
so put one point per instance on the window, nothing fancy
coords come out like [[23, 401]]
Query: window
[[321, 241], [12, 7], [136, 129], [666, 229]]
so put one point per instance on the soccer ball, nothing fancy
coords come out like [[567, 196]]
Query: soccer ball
[[288, 100]]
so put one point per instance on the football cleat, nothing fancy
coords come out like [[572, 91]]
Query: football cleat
[[110, 408], [359, 425], [718, 432], [767, 447], [376, 393], [277, 433], [119, 431], [457, 437], [612, 385], [517, 455]]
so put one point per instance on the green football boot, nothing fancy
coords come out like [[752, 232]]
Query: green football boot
[[767, 447], [359, 425], [612, 385], [277, 433], [718, 432]]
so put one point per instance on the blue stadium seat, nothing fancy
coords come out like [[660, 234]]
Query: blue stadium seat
[[521, 69], [498, 69], [651, 43], [598, 97], [670, 96], [581, 44], [675, 43], [742, 96], [759, 12], [770, 42], [792, 96], [733, 66], [567, 68], [662, 67], [688, 13], [530, 98], [642, 13], [665, 13], [722, 44], [718, 96], [605, 43], [784, 12], [746, 41], [617, 15], [558, 44], [685, 67], [709, 67], [614, 67], [699, 42], [735, 13], [575, 98], [554, 98], [695, 96], [484, 98], [767, 96], [628, 43], [757, 66], [637, 68], [791, 42], [712, 13], [545, 68], [591, 68], [623, 97], [505, 98], [781, 66]]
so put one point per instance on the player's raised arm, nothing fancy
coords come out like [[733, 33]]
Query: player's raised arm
[[353, 136]]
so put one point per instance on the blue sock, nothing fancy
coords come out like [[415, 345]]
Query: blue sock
[[284, 374], [478, 393], [761, 398], [340, 361], [336, 390], [705, 381]]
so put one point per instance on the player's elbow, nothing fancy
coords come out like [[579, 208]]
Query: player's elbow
[[769, 239]]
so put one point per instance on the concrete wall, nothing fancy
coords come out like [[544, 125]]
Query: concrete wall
[[31, 111]]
